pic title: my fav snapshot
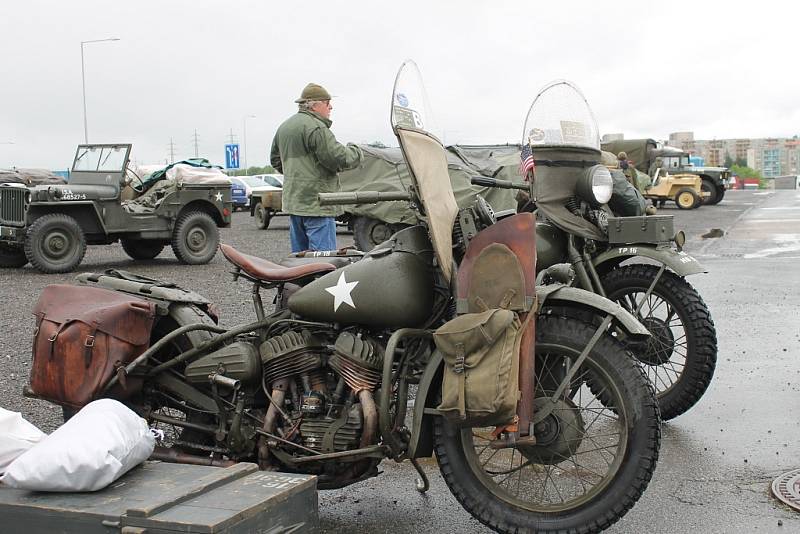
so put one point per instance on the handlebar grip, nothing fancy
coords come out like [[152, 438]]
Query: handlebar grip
[[485, 181], [360, 197]]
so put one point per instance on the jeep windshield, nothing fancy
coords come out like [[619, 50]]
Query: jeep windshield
[[101, 158]]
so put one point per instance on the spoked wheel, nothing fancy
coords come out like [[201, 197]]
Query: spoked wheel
[[594, 454], [681, 354]]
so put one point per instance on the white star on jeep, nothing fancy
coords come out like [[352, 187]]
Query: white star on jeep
[[341, 292], [219, 197]]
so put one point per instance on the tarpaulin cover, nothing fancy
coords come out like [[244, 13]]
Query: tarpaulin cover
[[384, 169], [29, 177]]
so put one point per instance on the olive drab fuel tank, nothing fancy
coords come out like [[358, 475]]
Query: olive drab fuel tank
[[391, 287]]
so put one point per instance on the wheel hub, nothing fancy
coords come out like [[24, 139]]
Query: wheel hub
[[661, 344], [56, 244], [196, 239], [380, 233], [558, 436]]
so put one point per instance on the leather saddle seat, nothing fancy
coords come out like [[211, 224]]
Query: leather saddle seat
[[266, 271]]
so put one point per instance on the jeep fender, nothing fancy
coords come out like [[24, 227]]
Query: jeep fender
[[84, 213], [680, 262]]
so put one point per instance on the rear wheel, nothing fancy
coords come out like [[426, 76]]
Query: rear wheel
[[55, 243], [142, 249], [680, 357], [687, 199], [263, 216], [11, 256], [594, 455], [195, 238]]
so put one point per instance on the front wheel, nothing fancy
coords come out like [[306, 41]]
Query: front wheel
[[55, 243], [195, 238], [687, 199], [594, 454], [680, 357]]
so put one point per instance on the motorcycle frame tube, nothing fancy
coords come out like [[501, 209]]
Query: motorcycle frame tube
[[384, 416]]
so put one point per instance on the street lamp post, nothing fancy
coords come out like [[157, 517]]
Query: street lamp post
[[244, 140], [83, 80]]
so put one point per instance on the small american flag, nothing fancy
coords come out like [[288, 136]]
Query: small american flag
[[527, 165]]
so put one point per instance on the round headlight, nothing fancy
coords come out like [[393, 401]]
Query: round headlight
[[596, 185]]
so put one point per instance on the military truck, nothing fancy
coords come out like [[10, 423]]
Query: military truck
[[647, 153], [51, 225]]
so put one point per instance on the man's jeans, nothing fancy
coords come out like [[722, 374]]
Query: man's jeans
[[312, 233]]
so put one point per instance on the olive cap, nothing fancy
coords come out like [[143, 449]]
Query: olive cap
[[313, 91], [622, 155]]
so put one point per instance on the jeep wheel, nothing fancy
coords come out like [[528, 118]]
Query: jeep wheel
[[142, 249], [11, 256], [55, 243], [195, 238], [263, 216], [369, 233], [687, 199]]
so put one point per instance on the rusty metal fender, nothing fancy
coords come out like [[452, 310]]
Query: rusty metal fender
[[680, 262]]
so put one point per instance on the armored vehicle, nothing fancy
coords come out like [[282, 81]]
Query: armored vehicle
[[50, 225], [645, 153]]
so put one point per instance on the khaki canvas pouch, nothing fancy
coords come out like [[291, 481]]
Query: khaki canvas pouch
[[481, 372]]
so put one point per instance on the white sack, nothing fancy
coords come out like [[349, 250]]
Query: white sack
[[16, 436], [96, 446]]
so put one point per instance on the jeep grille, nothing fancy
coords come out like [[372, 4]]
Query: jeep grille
[[12, 205]]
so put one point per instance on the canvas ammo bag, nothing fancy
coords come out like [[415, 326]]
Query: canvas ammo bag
[[83, 334], [481, 371]]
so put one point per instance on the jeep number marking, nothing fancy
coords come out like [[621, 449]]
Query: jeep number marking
[[627, 250], [69, 195]]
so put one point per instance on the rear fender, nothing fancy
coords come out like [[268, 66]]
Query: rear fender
[[680, 262]]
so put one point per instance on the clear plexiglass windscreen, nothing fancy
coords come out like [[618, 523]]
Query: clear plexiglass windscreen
[[410, 104], [560, 116], [100, 158]]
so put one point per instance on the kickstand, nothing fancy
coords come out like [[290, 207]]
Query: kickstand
[[422, 482]]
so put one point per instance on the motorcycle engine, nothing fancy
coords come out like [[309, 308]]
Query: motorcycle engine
[[326, 385]]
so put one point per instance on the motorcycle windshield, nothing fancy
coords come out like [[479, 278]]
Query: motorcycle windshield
[[412, 122], [560, 116]]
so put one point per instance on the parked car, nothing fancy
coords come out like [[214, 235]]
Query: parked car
[[239, 193], [259, 180]]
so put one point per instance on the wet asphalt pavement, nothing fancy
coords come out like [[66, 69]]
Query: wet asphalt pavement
[[717, 461]]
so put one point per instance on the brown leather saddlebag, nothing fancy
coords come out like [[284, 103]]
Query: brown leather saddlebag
[[82, 335]]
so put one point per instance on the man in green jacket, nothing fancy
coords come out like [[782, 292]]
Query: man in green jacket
[[306, 152]]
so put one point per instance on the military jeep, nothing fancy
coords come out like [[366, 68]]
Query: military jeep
[[647, 153], [50, 225]]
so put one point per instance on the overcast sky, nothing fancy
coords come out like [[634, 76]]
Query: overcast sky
[[721, 70]]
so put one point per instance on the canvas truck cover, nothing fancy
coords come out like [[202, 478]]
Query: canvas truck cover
[[637, 150], [384, 169]]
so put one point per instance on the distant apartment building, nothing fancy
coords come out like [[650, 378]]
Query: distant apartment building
[[772, 156]]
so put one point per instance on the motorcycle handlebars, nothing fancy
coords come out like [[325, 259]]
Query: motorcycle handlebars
[[483, 181], [361, 197]]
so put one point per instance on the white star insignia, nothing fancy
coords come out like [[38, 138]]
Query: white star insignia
[[219, 197], [341, 292]]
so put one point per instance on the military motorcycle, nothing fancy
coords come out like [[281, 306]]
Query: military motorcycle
[[638, 262], [352, 371]]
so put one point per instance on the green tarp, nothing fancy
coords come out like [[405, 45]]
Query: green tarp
[[383, 169]]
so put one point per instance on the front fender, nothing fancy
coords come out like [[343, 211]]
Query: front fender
[[680, 262], [566, 296], [421, 442]]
